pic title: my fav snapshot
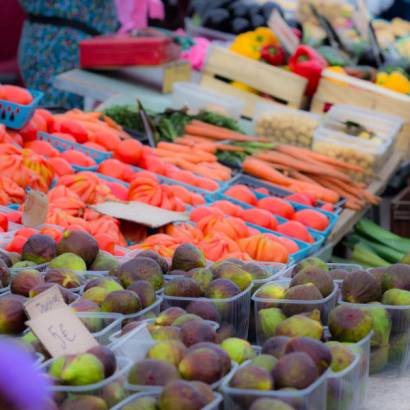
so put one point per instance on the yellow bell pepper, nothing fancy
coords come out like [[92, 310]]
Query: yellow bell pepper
[[396, 81], [243, 87], [265, 37], [246, 44], [337, 70]]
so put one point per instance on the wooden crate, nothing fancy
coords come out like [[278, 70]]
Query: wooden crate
[[284, 86], [360, 93]]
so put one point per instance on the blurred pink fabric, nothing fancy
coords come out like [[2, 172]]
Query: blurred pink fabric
[[134, 14]]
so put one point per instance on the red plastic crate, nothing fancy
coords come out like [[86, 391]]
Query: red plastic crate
[[144, 48]]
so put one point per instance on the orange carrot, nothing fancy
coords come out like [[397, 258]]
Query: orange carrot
[[263, 170], [299, 165], [305, 154], [219, 133]]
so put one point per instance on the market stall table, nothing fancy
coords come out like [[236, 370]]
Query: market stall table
[[98, 86]]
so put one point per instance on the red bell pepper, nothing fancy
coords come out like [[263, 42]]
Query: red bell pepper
[[308, 63], [274, 55]]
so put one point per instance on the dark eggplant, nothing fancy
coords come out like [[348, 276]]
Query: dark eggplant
[[254, 9], [240, 25], [216, 19], [238, 9], [257, 21]]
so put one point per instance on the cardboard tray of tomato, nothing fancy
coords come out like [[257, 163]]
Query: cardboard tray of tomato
[[62, 145], [256, 183], [15, 115], [332, 218]]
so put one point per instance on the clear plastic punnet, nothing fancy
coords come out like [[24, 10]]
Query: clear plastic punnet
[[285, 125], [343, 388], [234, 311], [367, 154], [383, 126], [100, 389], [324, 306], [392, 357], [311, 398], [214, 405], [199, 98]]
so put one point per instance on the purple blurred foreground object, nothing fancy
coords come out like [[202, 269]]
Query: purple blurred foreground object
[[21, 384]]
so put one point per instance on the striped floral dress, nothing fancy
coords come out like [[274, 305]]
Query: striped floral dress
[[47, 49]]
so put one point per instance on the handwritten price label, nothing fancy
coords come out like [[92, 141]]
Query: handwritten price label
[[62, 332], [46, 301]]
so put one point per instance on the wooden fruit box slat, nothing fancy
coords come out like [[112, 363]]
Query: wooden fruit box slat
[[284, 86], [360, 93]]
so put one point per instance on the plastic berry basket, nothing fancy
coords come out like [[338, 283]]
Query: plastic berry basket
[[394, 358], [233, 311], [324, 305], [214, 405], [343, 388], [101, 389], [255, 183], [63, 145], [311, 398], [16, 116], [101, 325]]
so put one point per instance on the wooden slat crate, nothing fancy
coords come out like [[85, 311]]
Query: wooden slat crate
[[360, 93], [284, 86]]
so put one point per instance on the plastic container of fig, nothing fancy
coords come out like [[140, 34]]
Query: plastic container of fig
[[101, 325], [324, 305], [214, 405], [234, 311], [343, 388], [135, 345], [394, 358], [95, 389], [311, 398]]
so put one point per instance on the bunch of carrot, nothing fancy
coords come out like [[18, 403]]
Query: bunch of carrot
[[193, 158], [302, 170]]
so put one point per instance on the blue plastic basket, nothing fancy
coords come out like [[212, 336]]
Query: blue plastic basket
[[62, 145], [16, 116], [79, 168], [254, 183]]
